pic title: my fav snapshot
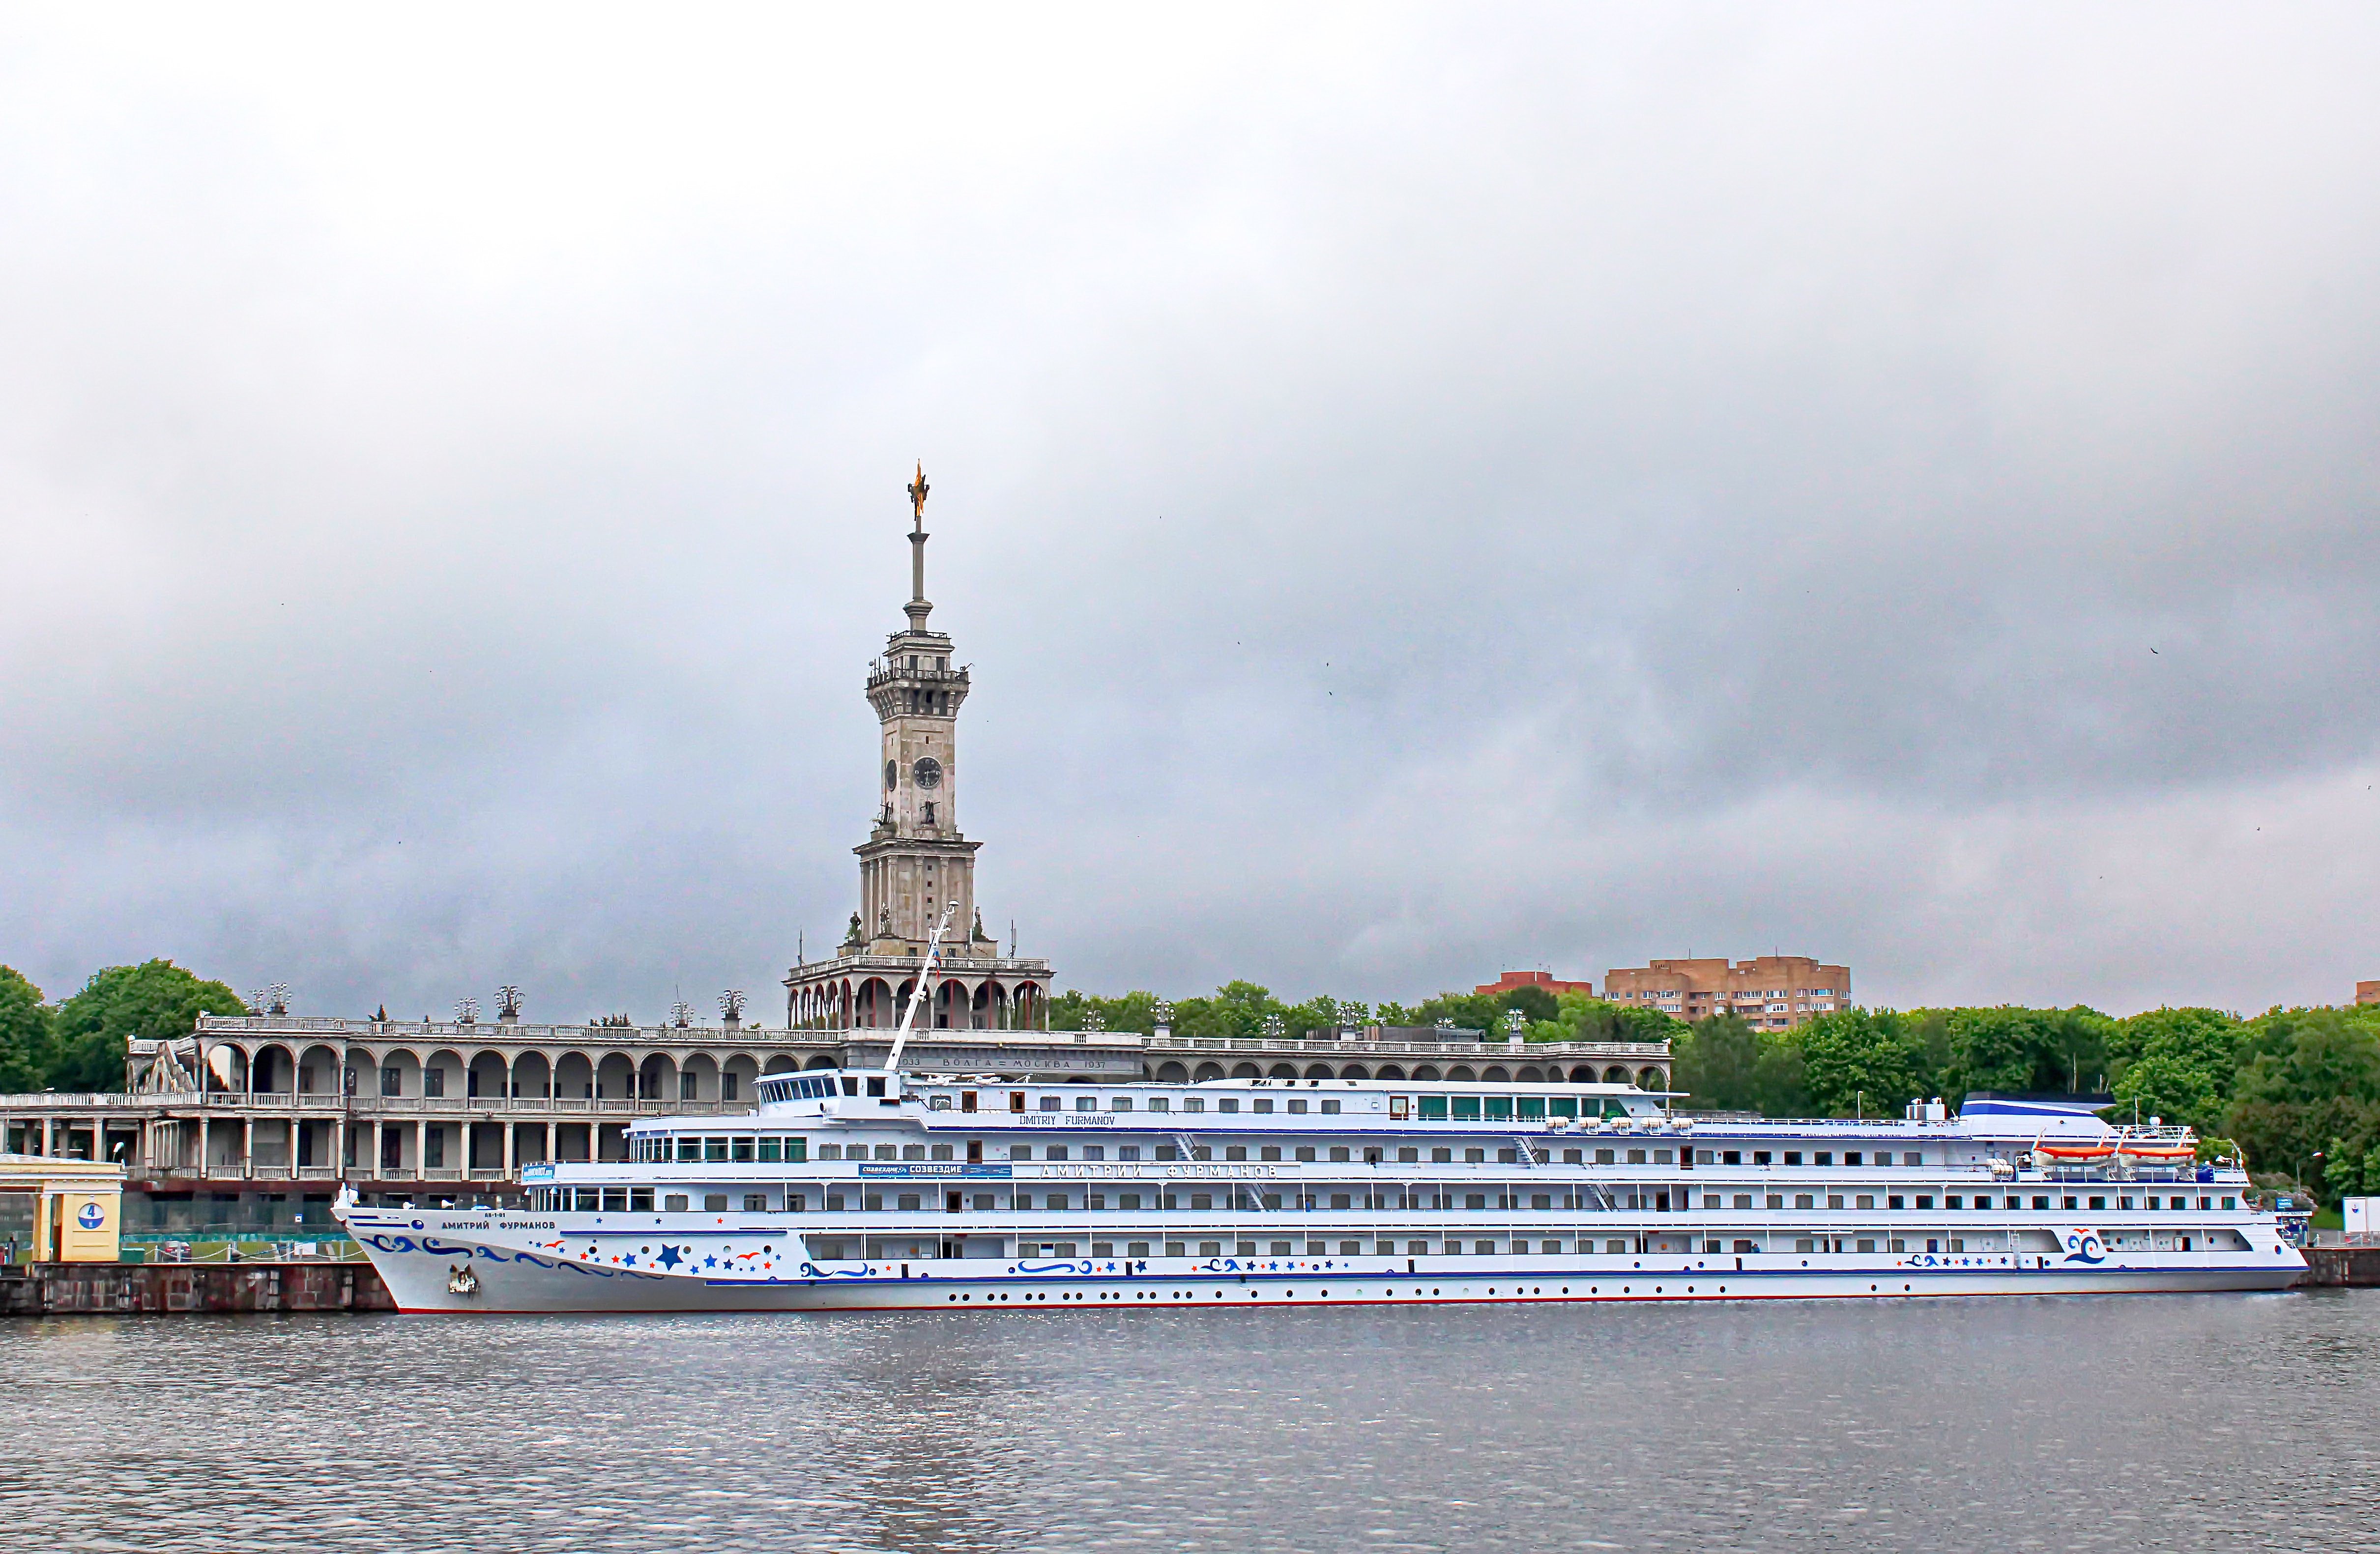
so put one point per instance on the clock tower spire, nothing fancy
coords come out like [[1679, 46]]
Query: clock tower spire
[[917, 864]]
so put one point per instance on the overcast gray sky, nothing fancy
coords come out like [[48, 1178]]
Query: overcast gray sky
[[1424, 492]]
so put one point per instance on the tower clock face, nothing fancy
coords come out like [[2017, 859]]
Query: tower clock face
[[927, 773], [891, 775]]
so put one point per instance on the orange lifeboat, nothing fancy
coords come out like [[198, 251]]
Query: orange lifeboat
[[2160, 1152], [2076, 1154]]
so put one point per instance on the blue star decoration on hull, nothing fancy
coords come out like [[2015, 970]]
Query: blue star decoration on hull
[[669, 1256]]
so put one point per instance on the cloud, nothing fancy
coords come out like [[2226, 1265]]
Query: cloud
[[1419, 490]]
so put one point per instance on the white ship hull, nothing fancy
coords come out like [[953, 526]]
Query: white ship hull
[[491, 1272]]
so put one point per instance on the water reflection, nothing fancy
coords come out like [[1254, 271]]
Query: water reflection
[[2174, 1422]]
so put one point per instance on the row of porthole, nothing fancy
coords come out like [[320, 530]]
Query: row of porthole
[[1291, 1295]]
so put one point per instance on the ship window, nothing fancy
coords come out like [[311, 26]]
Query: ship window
[[1433, 1108], [1824, 1158], [906, 1201], [1055, 1152], [1635, 1156], [1924, 1200], [1703, 1157], [769, 1148], [1441, 1157], [1760, 1157], [641, 1200], [1189, 1103], [2098, 1203], [1168, 1152], [1573, 1157], [1296, 1105], [1158, 1103], [2069, 1202], [1177, 1249], [1024, 1200], [1498, 1108], [1853, 1158], [1743, 1200], [1892, 1201], [1016, 1151], [1835, 1200], [942, 1151], [2231, 1203], [834, 1203], [1268, 1151], [1508, 1157], [1805, 1200], [1128, 1152], [1711, 1200], [689, 1148], [1732, 1157], [1202, 1200], [674, 1202], [1476, 1200], [1090, 1103], [1956, 1201], [1475, 1157], [1094, 1151], [1229, 1103], [1466, 1109], [1128, 1200], [1408, 1156], [967, 1101], [1866, 1244], [871, 1202], [714, 1148], [756, 1203], [850, 1086], [1542, 1200], [1792, 1157], [830, 1151], [1805, 1244], [1338, 1153], [2038, 1203], [1912, 1157], [1305, 1152], [1660, 1157], [933, 1103], [1235, 1151], [1262, 1103], [887, 1152], [1606, 1156], [714, 1203], [913, 1151], [1329, 1107], [741, 1150], [1051, 1103]]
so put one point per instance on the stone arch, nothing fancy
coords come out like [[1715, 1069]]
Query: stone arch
[[1246, 1071], [1317, 1070], [953, 1008], [1207, 1070], [1528, 1075], [988, 1009], [657, 1078], [574, 1077], [781, 1062], [487, 1076], [1495, 1075], [1426, 1071], [533, 1076], [702, 1069], [615, 1078], [1650, 1078], [272, 1069], [1173, 1073], [318, 1070], [1284, 1071], [1391, 1071], [745, 1070], [1616, 1074], [227, 1066], [873, 1004], [444, 1069], [1461, 1074], [820, 1060], [407, 1065], [1583, 1075], [1354, 1071]]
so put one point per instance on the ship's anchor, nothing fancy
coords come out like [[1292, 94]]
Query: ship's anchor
[[461, 1281]]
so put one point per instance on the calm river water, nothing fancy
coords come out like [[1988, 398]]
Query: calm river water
[[2169, 1422]]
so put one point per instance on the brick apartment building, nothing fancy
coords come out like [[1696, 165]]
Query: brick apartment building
[[1545, 979], [1771, 992], [2365, 992]]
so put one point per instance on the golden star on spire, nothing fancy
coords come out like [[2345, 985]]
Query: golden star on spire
[[917, 490]]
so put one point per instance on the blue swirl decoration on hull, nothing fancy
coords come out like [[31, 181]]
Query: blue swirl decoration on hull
[[811, 1270], [2083, 1246], [1053, 1268]]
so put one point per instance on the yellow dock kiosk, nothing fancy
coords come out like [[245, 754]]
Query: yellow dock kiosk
[[55, 1211]]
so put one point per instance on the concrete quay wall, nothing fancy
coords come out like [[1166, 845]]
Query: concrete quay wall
[[2354, 1266], [173, 1289]]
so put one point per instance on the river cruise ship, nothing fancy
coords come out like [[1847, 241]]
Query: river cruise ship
[[877, 1190]]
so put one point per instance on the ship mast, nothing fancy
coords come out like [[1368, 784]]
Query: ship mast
[[924, 971]]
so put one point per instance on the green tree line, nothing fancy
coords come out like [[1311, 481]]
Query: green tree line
[[1245, 1011], [79, 1043]]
